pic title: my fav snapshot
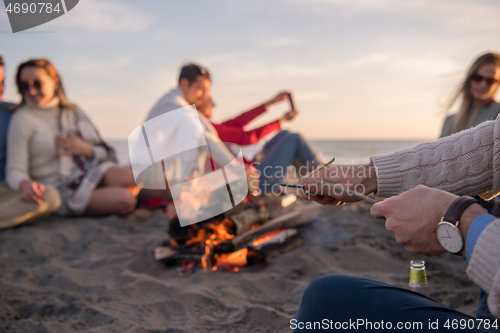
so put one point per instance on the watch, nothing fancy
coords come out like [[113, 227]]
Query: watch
[[447, 232]]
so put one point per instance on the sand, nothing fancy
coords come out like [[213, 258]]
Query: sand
[[99, 275]]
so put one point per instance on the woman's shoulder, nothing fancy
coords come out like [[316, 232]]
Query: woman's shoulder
[[494, 106], [448, 121], [447, 125], [489, 112], [450, 117], [22, 113]]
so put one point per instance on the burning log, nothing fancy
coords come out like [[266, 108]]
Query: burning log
[[177, 233], [247, 218], [289, 220], [241, 237], [276, 242]]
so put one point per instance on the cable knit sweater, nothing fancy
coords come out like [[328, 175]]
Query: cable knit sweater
[[466, 163]]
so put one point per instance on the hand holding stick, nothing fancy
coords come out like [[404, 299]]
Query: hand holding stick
[[359, 195], [322, 167], [332, 184]]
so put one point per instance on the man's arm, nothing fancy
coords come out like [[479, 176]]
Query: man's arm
[[466, 163], [462, 164], [414, 215]]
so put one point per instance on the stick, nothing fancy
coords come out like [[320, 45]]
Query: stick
[[365, 198], [359, 195], [324, 166]]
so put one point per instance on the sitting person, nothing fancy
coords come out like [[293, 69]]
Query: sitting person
[[15, 207], [477, 96], [193, 87], [186, 140], [278, 153], [51, 142], [462, 164]]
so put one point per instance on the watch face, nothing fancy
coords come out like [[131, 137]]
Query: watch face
[[449, 237]]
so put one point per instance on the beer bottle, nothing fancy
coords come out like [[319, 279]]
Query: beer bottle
[[418, 278]]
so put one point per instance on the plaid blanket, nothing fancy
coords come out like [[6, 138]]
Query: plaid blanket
[[81, 175]]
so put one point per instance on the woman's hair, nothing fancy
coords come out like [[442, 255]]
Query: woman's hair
[[464, 91], [52, 72]]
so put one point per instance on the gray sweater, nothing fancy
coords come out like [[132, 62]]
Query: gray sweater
[[466, 163], [487, 112]]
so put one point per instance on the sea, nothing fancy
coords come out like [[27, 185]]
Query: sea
[[345, 152]]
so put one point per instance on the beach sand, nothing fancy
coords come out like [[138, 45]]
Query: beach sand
[[99, 275]]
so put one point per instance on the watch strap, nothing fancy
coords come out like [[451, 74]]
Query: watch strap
[[457, 208]]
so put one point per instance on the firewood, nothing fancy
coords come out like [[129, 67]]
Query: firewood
[[288, 220]]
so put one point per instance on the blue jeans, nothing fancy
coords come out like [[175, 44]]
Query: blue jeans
[[279, 153], [348, 299]]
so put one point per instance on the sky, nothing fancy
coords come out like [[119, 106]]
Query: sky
[[359, 70]]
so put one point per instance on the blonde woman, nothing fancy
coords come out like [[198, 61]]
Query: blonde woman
[[52, 142], [477, 94]]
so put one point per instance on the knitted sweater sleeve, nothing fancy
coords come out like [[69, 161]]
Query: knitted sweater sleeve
[[466, 163]]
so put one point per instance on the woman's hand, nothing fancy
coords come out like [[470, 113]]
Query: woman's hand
[[32, 191], [280, 97], [73, 145], [290, 115]]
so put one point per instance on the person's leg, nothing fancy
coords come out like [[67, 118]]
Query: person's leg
[[280, 152], [118, 176], [16, 211], [341, 299], [110, 200]]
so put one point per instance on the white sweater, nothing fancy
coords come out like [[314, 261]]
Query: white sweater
[[31, 146]]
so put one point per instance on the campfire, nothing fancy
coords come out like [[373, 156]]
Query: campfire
[[245, 236]]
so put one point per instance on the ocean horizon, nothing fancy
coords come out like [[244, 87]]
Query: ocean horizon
[[344, 151]]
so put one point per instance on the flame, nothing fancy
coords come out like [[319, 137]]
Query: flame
[[219, 234], [238, 258], [267, 236]]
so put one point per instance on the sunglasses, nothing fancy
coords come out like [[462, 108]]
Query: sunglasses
[[26, 86], [478, 78]]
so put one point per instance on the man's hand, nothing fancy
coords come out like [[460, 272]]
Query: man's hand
[[336, 184], [32, 191], [278, 98], [73, 145], [414, 215]]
